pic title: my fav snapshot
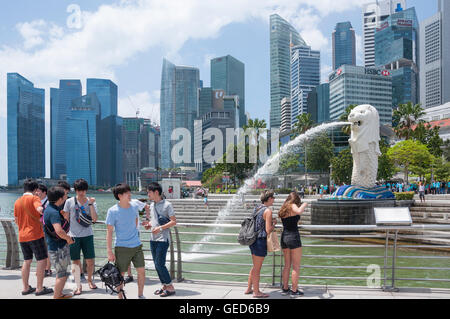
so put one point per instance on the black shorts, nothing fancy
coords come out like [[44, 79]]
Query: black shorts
[[36, 248], [290, 240]]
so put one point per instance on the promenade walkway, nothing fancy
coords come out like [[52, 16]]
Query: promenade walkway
[[11, 285]]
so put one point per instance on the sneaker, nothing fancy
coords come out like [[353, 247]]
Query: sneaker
[[285, 292], [142, 297], [295, 294], [129, 279]]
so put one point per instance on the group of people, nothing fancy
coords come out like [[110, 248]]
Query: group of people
[[291, 244], [55, 229]]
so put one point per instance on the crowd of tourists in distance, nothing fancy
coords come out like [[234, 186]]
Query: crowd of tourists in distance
[[55, 229]]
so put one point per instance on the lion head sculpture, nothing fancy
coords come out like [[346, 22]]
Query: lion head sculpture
[[365, 128]]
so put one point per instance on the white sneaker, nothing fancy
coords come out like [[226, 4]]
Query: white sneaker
[[142, 297]]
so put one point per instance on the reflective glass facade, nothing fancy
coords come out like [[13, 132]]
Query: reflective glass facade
[[344, 45], [282, 35], [60, 108], [228, 73], [179, 105], [26, 129], [305, 76], [110, 151], [397, 49], [106, 91], [81, 139]]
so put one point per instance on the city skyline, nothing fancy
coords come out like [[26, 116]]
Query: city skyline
[[44, 29]]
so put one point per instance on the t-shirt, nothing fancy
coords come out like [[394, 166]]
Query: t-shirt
[[28, 218], [52, 216], [165, 209], [76, 230], [141, 206], [124, 222]]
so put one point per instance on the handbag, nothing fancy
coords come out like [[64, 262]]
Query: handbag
[[162, 220], [273, 244], [81, 216]]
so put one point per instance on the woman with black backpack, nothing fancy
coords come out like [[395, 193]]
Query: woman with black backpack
[[265, 224]]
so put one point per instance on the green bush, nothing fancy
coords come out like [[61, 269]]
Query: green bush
[[404, 196]]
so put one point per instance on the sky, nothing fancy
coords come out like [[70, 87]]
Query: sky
[[126, 41]]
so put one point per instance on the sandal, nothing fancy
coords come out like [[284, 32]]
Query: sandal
[[261, 296], [64, 296], [248, 293], [44, 291], [77, 291], [29, 291], [159, 291], [92, 286], [167, 293]]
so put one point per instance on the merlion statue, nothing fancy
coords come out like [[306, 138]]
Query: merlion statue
[[364, 142]]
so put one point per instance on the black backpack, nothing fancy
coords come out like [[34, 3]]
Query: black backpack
[[112, 278], [249, 232]]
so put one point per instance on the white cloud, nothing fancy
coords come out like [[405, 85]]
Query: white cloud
[[147, 103]]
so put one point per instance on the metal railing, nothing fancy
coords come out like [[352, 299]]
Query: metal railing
[[185, 243]]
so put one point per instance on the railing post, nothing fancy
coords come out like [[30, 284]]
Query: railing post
[[392, 288], [172, 256], [179, 259], [386, 250], [12, 254], [273, 269]]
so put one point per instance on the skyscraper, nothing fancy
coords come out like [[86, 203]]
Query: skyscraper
[[373, 15], [60, 108], [286, 118], [319, 103], [26, 129], [397, 50], [435, 57], [305, 76], [81, 139], [344, 45], [282, 36], [106, 92], [179, 105], [228, 74], [110, 151]]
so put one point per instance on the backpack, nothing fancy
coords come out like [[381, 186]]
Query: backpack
[[249, 232], [112, 278]]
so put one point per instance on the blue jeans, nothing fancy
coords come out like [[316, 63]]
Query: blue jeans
[[159, 252]]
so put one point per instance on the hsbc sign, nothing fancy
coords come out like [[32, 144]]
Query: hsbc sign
[[378, 72]]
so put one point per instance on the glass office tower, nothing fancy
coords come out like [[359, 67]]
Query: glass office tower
[[282, 36], [179, 105], [60, 108], [106, 92], [344, 45], [397, 50], [305, 76], [228, 74], [81, 139], [26, 129]]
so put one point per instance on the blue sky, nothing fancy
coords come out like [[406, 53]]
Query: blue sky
[[125, 40]]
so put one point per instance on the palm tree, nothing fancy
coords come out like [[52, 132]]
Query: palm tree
[[405, 117], [344, 118], [303, 124]]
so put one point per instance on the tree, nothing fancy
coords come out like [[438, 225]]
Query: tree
[[386, 167], [342, 167], [288, 163], [410, 153], [446, 150], [429, 136], [303, 124], [441, 169], [344, 118], [405, 117], [320, 153]]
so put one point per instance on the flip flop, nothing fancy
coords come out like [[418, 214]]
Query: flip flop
[[261, 296], [92, 286], [167, 293], [29, 291], [77, 292], [44, 291], [64, 296], [248, 293]]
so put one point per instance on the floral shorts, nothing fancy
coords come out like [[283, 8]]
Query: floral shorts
[[60, 259]]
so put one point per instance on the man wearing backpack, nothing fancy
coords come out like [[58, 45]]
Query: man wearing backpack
[[58, 240], [27, 215]]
